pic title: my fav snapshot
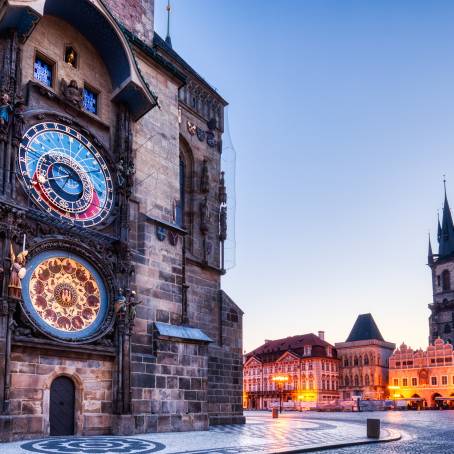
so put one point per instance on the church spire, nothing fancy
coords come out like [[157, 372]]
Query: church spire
[[430, 255], [168, 39], [447, 229], [438, 228]]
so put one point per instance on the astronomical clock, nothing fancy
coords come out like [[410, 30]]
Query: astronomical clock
[[65, 174], [64, 291]]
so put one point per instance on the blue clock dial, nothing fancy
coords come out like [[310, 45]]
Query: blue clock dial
[[65, 174]]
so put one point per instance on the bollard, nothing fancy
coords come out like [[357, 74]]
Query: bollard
[[373, 428], [275, 413]]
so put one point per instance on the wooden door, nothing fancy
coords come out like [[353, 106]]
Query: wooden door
[[61, 409]]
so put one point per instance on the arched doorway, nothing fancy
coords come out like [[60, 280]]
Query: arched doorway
[[61, 408], [435, 402]]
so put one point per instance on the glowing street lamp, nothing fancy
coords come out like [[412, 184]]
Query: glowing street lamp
[[280, 381]]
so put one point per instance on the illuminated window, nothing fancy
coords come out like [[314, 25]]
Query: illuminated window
[[445, 280], [396, 382], [90, 100], [405, 382], [414, 381], [43, 71], [444, 380], [433, 381]]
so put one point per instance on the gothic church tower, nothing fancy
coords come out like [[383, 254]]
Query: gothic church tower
[[441, 320]]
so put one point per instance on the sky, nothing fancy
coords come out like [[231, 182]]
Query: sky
[[341, 114]]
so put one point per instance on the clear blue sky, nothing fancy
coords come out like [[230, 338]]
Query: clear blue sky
[[342, 116]]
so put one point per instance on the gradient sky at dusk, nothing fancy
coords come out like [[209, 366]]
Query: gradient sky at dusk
[[342, 116]]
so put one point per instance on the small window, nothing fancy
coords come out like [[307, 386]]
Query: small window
[[396, 382], [414, 381], [444, 380], [446, 280], [433, 381], [405, 382], [43, 71], [90, 100]]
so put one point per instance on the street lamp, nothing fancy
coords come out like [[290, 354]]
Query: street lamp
[[395, 395], [280, 381]]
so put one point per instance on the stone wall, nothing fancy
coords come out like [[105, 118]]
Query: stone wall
[[32, 373], [136, 15], [169, 389], [225, 367]]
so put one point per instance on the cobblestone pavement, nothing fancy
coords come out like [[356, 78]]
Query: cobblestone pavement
[[261, 434], [422, 432]]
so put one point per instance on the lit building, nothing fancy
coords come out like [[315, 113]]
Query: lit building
[[309, 365], [423, 377], [364, 361]]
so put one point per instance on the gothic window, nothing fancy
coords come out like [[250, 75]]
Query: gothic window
[[90, 100], [366, 360], [367, 380], [43, 70], [183, 215], [439, 280], [346, 381], [446, 281], [355, 362], [356, 380], [180, 204]]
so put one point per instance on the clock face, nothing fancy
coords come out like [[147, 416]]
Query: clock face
[[65, 174], [64, 295]]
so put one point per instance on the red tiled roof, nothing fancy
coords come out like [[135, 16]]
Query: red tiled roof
[[270, 351]]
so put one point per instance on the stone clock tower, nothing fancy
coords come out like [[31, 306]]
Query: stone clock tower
[[112, 221], [441, 320]]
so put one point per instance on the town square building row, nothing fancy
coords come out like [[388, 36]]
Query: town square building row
[[366, 366], [113, 216]]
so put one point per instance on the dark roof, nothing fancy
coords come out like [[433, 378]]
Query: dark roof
[[364, 328], [272, 350], [446, 236]]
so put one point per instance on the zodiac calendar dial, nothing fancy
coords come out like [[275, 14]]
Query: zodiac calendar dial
[[65, 174], [64, 295]]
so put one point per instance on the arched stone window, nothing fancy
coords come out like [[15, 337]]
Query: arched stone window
[[366, 380], [346, 381], [446, 280], [356, 380], [183, 206], [355, 361], [366, 360]]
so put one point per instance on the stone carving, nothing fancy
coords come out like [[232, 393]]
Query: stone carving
[[161, 233], [5, 115], [18, 271], [19, 120], [223, 223], [191, 128], [125, 306], [204, 215], [205, 178], [200, 134], [211, 141], [72, 93], [222, 190]]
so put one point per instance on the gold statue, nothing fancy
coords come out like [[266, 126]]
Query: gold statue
[[18, 272]]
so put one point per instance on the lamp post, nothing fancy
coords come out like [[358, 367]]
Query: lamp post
[[395, 395], [280, 380]]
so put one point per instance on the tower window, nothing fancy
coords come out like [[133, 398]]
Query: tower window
[[446, 280], [90, 100], [43, 71]]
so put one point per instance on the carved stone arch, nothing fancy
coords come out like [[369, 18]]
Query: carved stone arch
[[64, 371], [93, 20]]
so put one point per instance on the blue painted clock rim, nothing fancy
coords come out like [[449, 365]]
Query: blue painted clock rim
[[104, 302]]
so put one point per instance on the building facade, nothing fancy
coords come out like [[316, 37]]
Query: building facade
[[309, 365], [112, 222], [364, 361], [423, 378], [441, 320]]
